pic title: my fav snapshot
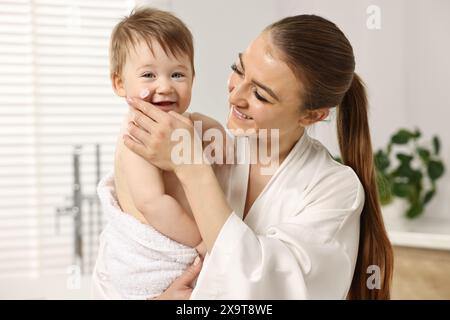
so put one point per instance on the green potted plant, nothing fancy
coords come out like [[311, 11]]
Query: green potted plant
[[408, 170]]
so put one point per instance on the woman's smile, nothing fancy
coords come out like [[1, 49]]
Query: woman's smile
[[239, 115]]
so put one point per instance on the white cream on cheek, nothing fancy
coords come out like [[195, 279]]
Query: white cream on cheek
[[144, 93]]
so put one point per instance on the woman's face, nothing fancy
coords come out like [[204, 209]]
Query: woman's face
[[263, 91]]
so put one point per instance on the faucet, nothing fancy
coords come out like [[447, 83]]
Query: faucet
[[75, 209]]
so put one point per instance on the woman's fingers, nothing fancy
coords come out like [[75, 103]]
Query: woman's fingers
[[201, 249], [180, 117], [135, 146], [147, 108], [138, 133], [190, 274], [142, 120], [181, 288]]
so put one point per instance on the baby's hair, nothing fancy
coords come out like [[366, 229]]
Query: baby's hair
[[149, 24]]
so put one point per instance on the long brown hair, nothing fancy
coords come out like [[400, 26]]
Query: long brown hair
[[323, 60]]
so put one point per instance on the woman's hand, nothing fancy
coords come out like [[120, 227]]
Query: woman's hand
[[151, 131], [181, 288], [201, 249]]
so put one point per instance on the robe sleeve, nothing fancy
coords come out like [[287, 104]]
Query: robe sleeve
[[312, 255]]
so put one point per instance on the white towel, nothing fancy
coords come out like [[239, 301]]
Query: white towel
[[136, 260]]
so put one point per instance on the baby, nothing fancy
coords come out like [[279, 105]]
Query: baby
[[143, 251]]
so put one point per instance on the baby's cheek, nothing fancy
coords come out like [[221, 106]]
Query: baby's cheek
[[144, 93], [185, 97]]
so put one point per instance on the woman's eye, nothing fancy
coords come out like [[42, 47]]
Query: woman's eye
[[259, 97], [234, 67], [148, 75], [177, 75]]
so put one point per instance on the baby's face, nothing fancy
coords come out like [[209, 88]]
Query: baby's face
[[166, 79]]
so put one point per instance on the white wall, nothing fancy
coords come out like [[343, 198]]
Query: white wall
[[427, 81], [404, 64]]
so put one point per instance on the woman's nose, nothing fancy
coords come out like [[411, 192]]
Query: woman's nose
[[237, 95]]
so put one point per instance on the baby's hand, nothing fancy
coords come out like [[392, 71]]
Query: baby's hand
[[201, 249]]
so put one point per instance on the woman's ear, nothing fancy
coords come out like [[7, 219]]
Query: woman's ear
[[117, 85], [312, 116]]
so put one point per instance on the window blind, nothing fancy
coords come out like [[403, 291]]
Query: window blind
[[55, 94]]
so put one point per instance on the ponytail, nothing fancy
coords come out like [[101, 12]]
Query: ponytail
[[356, 151]]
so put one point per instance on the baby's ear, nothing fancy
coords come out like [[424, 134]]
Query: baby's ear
[[117, 85]]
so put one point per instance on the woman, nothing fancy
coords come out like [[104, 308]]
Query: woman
[[311, 230]]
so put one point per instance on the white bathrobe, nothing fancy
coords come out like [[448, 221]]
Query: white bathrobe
[[299, 239]]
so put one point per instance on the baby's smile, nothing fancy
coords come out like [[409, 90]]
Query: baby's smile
[[165, 104]]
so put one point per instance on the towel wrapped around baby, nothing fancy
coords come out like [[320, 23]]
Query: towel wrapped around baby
[[134, 261]]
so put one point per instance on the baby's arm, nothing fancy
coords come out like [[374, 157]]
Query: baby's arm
[[163, 212]]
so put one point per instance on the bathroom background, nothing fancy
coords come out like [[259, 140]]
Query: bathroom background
[[59, 120]]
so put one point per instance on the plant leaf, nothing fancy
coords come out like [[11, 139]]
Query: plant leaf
[[416, 177], [436, 145], [415, 210], [402, 190], [403, 170], [402, 137], [405, 159], [424, 154], [435, 169], [428, 196], [384, 188], [381, 160]]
